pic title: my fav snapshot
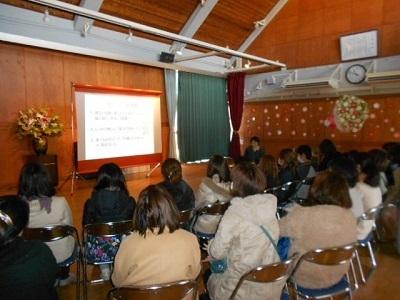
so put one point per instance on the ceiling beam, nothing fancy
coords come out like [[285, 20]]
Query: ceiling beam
[[83, 24], [197, 18], [151, 30], [192, 57], [259, 26]]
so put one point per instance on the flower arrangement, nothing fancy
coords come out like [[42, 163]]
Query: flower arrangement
[[39, 124], [350, 113]]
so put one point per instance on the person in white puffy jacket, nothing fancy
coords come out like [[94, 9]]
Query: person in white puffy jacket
[[241, 240], [213, 188]]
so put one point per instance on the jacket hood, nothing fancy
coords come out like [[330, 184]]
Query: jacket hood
[[256, 208]]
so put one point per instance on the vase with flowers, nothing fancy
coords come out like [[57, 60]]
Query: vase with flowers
[[39, 124]]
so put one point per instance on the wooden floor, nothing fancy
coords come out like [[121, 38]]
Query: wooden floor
[[384, 283]]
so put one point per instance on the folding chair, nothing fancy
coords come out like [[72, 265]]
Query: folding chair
[[169, 291], [268, 274], [53, 233], [327, 257], [369, 215], [184, 217], [110, 229], [214, 209]]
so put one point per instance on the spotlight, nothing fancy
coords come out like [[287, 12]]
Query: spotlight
[[46, 16], [129, 38]]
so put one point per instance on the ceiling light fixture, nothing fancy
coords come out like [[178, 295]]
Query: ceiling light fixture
[[46, 15], [129, 38], [85, 29], [248, 64]]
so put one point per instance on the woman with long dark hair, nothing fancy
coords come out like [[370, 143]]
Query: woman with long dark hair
[[110, 202]]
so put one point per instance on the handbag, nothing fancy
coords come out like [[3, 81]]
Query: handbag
[[283, 246]]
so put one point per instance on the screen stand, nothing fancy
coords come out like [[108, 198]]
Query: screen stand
[[152, 170]]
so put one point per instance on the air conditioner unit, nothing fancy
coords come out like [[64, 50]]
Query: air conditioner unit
[[312, 83], [383, 77]]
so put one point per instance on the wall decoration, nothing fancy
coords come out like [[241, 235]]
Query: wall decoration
[[318, 122], [350, 113]]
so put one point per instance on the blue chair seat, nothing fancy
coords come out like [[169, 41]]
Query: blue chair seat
[[285, 296], [70, 260], [365, 241], [341, 287]]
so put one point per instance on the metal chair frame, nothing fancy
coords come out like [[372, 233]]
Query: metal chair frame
[[268, 273], [328, 257], [184, 217], [215, 209], [369, 215], [51, 233], [108, 229], [169, 291]]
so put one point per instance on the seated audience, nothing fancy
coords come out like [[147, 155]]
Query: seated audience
[[214, 187], [110, 202], [157, 251], [180, 191], [287, 162], [28, 269], [327, 152], [254, 152], [304, 170], [328, 222], [241, 240], [47, 209], [269, 167]]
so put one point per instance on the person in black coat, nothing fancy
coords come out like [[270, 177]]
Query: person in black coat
[[110, 202], [254, 152], [176, 186], [28, 269]]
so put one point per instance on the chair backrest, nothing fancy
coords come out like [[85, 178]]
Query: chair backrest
[[168, 291], [108, 229], [216, 208], [50, 233], [268, 273], [184, 216], [370, 214], [329, 256]]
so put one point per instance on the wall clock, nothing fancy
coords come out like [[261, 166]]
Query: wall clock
[[356, 74]]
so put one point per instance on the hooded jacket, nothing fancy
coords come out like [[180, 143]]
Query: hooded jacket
[[209, 192], [241, 240]]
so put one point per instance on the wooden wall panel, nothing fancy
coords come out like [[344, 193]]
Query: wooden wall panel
[[12, 82], [38, 77], [306, 32], [292, 123]]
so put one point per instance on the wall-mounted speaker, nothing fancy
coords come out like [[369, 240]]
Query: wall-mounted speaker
[[167, 57]]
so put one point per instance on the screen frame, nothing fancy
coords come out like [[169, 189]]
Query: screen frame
[[90, 166]]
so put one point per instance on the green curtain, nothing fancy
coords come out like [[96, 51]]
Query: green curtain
[[203, 120]]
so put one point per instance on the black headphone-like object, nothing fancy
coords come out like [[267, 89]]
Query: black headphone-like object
[[9, 227]]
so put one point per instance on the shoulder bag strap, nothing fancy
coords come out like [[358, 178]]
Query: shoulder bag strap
[[270, 238]]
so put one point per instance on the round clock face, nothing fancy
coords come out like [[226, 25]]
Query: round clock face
[[356, 74]]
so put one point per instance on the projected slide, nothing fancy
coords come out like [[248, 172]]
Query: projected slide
[[111, 125]]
